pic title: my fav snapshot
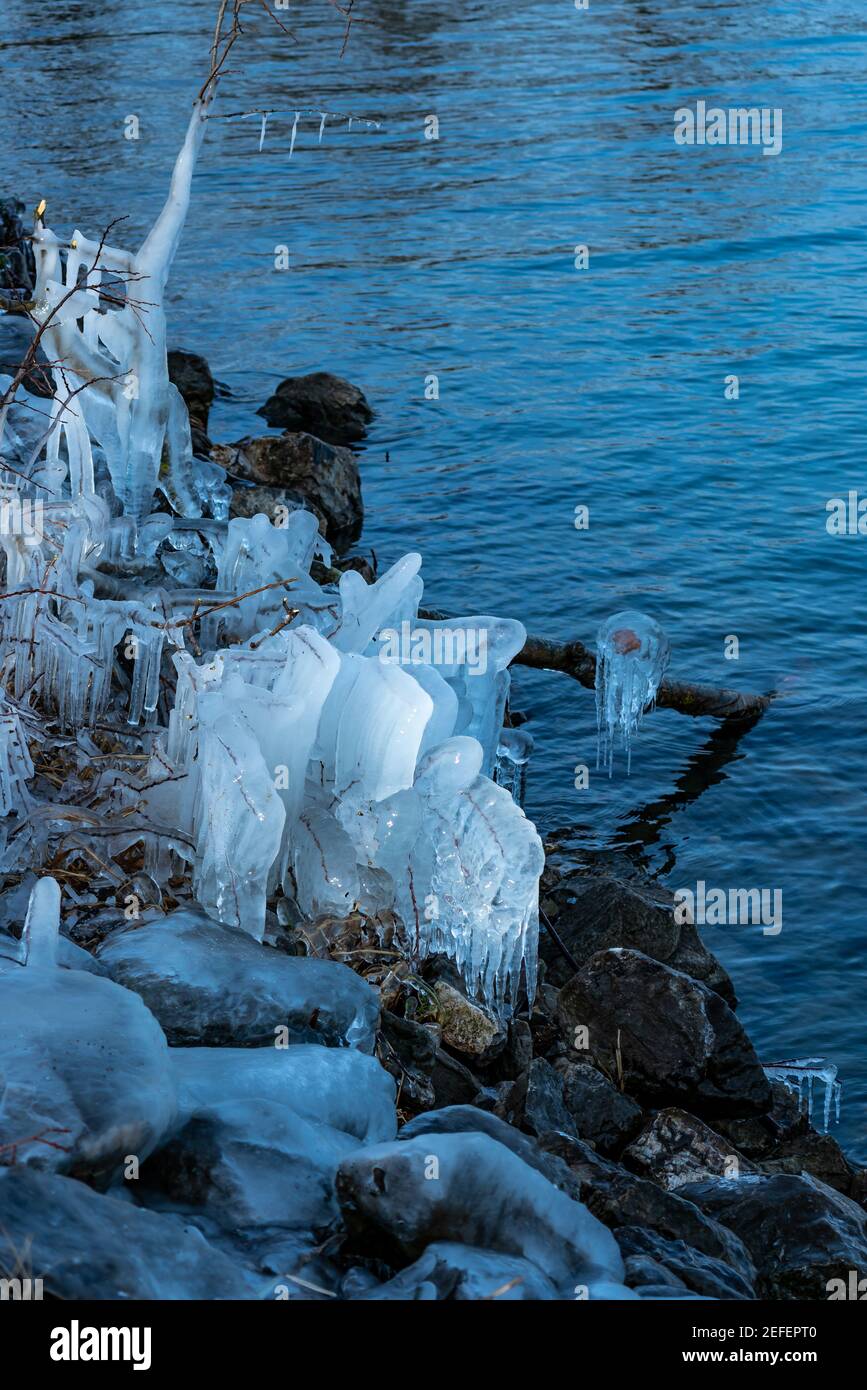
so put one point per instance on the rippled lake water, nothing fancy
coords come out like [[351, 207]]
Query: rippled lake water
[[558, 387]]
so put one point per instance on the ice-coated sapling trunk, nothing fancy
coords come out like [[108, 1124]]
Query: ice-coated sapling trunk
[[117, 350]]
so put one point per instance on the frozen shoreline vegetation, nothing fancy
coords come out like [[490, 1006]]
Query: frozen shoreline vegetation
[[275, 1020]]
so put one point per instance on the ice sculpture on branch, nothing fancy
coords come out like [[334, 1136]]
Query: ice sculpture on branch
[[632, 654], [305, 759]]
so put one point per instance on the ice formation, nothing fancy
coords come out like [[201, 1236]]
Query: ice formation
[[104, 323], [273, 742], [484, 1195], [85, 1076], [632, 653], [801, 1074], [207, 983]]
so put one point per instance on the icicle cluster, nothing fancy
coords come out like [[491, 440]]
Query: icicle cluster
[[632, 654], [801, 1074]]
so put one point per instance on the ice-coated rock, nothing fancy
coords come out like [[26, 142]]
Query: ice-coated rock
[[85, 1077], [85, 1245], [252, 1163], [468, 1187], [212, 985], [335, 1086], [468, 1119], [69, 956], [463, 1273]]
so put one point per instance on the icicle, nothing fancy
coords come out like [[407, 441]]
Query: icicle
[[513, 754], [800, 1074], [294, 129], [262, 131], [322, 127], [42, 925], [16, 765], [632, 653]]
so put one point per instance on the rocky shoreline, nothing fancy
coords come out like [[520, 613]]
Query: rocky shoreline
[[190, 1112], [321, 1072]]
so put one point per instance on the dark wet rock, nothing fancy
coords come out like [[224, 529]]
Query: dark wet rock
[[467, 1028], [858, 1187], [252, 1163], [409, 1055], [520, 1046], [619, 1198], [470, 1188], [608, 903], [215, 986], [544, 1033], [467, 1119], [462, 1273], [320, 404], [801, 1233], [601, 1114], [330, 574], [453, 1083], [757, 1136], [682, 1265], [535, 1102], [677, 1041], [84, 1245], [191, 375], [675, 1148], [17, 264], [817, 1154], [297, 469]]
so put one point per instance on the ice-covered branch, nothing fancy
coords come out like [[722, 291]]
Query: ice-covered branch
[[686, 697]]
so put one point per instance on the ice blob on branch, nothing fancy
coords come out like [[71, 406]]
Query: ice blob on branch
[[350, 770], [632, 654]]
